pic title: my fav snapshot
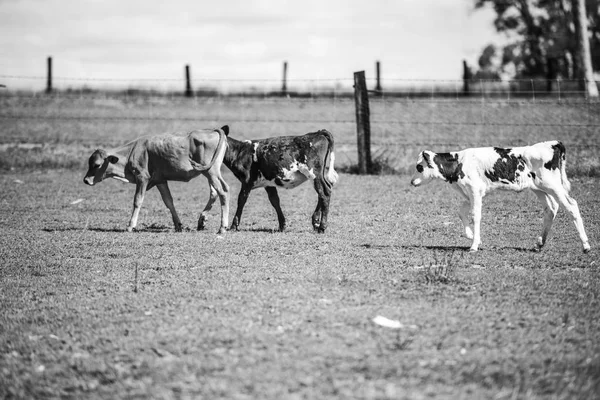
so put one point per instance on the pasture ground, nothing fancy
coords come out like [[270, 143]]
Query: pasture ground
[[269, 315], [263, 314]]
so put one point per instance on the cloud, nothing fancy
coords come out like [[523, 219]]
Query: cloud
[[239, 39]]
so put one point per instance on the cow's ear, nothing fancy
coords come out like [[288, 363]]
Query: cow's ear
[[225, 129], [427, 158], [112, 159]]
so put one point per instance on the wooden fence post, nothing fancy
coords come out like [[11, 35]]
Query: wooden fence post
[[467, 76], [378, 76], [188, 82], [284, 81], [49, 76], [363, 124]]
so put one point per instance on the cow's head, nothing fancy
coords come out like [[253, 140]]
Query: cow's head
[[98, 163], [426, 169]]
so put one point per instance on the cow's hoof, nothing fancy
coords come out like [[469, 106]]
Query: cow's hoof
[[222, 231], [129, 229], [179, 228], [201, 223], [586, 249], [473, 250]]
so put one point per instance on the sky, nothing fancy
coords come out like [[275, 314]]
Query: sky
[[126, 42]]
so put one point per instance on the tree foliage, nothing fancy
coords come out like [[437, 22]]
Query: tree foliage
[[542, 37]]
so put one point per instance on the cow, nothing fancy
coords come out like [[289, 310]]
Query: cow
[[477, 171], [282, 162], [154, 160]]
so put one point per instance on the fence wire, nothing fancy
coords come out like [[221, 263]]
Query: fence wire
[[400, 127]]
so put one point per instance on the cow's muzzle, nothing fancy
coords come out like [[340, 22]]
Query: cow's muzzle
[[89, 180], [416, 182]]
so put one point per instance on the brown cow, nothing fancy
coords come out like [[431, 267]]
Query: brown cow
[[153, 160]]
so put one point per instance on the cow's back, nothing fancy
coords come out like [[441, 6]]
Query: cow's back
[[180, 157]]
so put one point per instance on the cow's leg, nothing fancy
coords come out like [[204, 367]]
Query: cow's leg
[[319, 217], [204, 215], [316, 215], [550, 210], [476, 205], [464, 212], [138, 199], [274, 199], [569, 203], [165, 193], [241, 202], [222, 188]]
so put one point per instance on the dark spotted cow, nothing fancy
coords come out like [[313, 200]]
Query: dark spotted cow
[[283, 162], [476, 172], [154, 160]]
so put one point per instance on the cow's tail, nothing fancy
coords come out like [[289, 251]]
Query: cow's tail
[[563, 166], [331, 177], [219, 152]]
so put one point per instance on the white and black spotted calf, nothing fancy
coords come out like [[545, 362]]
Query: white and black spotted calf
[[478, 171], [283, 162]]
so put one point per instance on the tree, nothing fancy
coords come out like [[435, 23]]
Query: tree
[[487, 66], [583, 47], [542, 37]]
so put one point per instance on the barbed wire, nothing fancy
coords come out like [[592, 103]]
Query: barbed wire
[[338, 79], [291, 120], [93, 79], [498, 98]]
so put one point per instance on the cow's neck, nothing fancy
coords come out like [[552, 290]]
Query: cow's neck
[[235, 152], [449, 166], [117, 170]]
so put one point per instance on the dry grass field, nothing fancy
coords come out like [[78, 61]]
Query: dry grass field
[[88, 310]]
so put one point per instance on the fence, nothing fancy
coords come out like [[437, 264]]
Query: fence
[[402, 122], [468, 86]]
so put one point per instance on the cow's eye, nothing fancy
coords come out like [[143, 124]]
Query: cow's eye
[[419, 168]]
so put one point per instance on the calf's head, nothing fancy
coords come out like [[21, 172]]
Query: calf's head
[[98, 164], [426, 169]]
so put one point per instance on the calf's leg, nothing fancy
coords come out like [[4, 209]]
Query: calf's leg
[[204, 215], [572, 208], [274, 199], [464, 212], [241, 201], [138, 199], [476, 205], [316, 215], [165, 193], [222, 188], [550, 210], [319, 217]]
